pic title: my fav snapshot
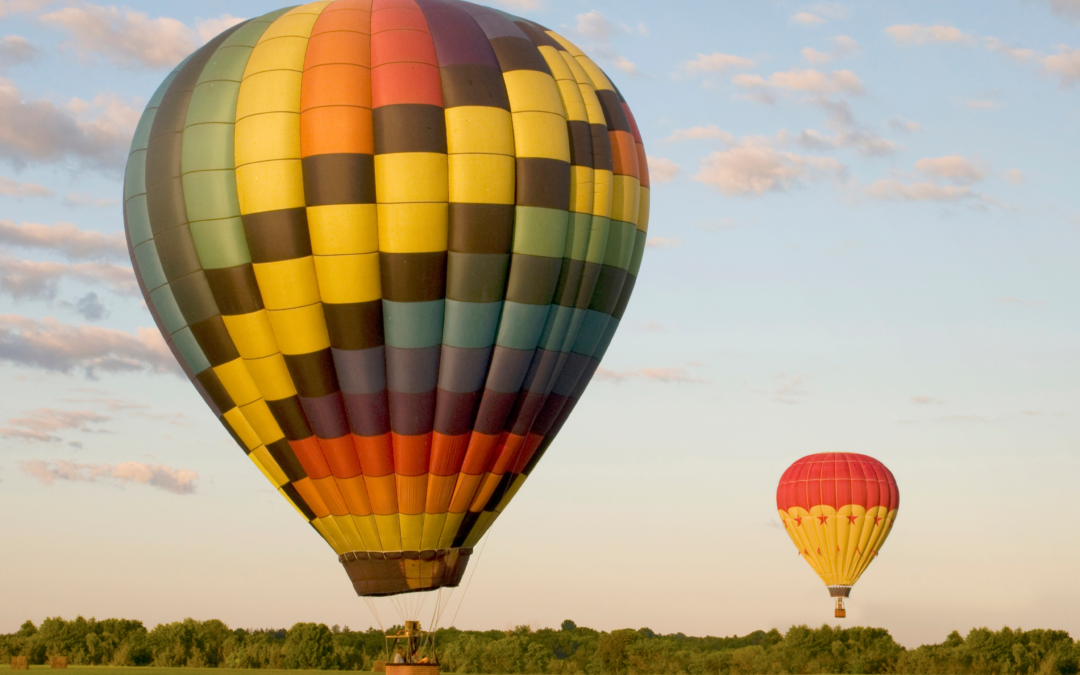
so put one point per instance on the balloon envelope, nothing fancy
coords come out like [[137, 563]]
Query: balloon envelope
[[838, 508], [389, 242]]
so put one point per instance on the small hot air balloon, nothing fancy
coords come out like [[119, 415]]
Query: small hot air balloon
[[838, 508], [389, 242]]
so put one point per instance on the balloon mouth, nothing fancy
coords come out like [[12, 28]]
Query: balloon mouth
[[839, 591], [383, 573]]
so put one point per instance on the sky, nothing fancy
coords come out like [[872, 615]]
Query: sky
[[864, 220]]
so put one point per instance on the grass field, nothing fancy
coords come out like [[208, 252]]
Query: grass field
[[114, 670]]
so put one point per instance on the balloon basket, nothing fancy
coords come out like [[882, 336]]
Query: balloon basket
[[841, 613]]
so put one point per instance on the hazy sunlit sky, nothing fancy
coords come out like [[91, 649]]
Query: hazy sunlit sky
[[864, 238]]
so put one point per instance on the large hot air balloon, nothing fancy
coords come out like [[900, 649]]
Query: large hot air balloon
[[389, 242], [838, 508]]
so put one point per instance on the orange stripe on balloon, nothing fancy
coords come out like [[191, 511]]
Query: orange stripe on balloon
[[376, 454], [310, 456]]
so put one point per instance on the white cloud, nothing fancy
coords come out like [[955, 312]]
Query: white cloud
[[844, 46], [124, 37], [953, 168], [626, 65], [865, 142], [208, 29], [43, 424], [753, 169], [996, 45], [980, 104], [21, 6], [29, 279], [66, 239], [807, 19], [915, 34], [13, 188], [1065, 65], [808, 81], [176, 481], [716, 63], [893, 190], [663, 242], [15, 50], [596, 26], [665, 375], [95, 133], [662, 170], [1066, 8], [50, 345], [713, 133]]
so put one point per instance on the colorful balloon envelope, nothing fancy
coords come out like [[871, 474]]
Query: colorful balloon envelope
[[389, 242], [838, 508]]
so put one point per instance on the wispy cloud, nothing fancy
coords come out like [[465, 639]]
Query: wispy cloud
[[754, 169], [664, 375], [1065, 65], [710, 133], [598, 29], [916, 34], [27, 279], [715, 63], [130, 38], [662, 170], [522, 5], [904, 126], [843, 47], [820, 13], [805, 81], [787, 389], [176, 481], [13, 188], [94, 133], [953, 168], [663, 242], [926, 400], [54, 346], [890, 189], [44, 423], [65, 239], [15, 50]]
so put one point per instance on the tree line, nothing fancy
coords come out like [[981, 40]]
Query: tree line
[[567, 650]]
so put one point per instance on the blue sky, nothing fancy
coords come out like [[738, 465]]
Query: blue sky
[[863, 234]]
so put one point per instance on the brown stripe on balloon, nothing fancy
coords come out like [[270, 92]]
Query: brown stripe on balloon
[[313, 374], [215, 390], [543, 182], [409, 127], [298, 501], [413, 277], [355, 326], [215, 341], [478, 277], [516, 53], [471, 84], [274, 236], [481, 228], [282, 453], [533, 279], [339, 178], [289, 415], [608, 290], [235, 290]]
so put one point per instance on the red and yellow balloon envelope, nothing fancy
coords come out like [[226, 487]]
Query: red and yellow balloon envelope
[[838, 508], [389, 241]]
